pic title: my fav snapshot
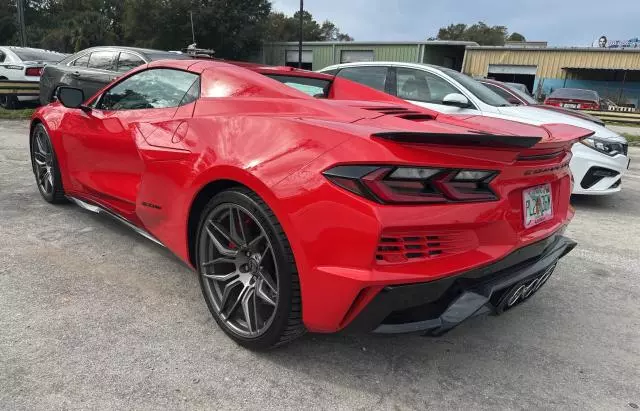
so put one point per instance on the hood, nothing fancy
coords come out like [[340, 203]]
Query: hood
[[570, 112], [539, 116]]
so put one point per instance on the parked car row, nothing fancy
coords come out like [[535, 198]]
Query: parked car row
[[598, 163]]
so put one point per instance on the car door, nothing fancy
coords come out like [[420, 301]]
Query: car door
[[101, 146], [425, 89]]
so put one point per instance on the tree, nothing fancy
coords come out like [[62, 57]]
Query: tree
[[329, 31], [234, 29], [7, 22], [516, 37], [480, 32], [280, 27]]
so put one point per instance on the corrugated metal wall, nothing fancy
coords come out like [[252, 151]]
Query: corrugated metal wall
[[326, 55], [549, 61]]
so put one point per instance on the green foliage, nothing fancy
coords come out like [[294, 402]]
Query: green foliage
[[23, 114], [280, 27], [516, 37], [480, 32], [233, 28]]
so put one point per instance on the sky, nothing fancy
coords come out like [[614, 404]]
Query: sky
[[560, 22]]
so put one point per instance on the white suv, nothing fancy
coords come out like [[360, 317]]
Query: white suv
[[23, 64], [598, 163]]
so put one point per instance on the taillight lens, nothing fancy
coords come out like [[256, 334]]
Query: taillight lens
[[33, 71], [589, 106], [414, 185]]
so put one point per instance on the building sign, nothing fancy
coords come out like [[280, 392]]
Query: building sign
[[604, 42]]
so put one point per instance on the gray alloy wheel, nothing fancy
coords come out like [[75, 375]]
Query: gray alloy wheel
[[239, 270], [45, 166], [247, 271]]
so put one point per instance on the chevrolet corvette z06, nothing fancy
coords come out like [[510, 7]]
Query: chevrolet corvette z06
[[308, 202]]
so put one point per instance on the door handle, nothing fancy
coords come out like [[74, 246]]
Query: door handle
[[76, 74]]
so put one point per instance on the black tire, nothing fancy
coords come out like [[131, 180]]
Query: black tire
[[50, 189], [9, 102], [286, 321]]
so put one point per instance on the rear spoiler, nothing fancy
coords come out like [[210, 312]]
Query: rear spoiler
[[464, 140]]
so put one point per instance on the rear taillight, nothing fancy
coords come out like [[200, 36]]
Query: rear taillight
[[589, 106], [414, 185], [554, 103], [33, 71]]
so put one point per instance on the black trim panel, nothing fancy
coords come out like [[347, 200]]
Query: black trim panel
[[472, 140], [440, 305]]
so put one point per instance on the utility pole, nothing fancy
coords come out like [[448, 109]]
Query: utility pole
[[21, 23], [193, 30], [300, 38]]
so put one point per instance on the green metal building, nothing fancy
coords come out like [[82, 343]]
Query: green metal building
[[319, 54]]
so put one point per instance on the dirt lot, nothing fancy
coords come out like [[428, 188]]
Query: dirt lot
[[95, 316]]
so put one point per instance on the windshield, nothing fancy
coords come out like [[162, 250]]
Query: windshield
[[477, 89], [37, 55], [313, 87], [575, 93], [522, 95]]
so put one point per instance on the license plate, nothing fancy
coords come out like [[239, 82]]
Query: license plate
[[567, 105], [537, 204]]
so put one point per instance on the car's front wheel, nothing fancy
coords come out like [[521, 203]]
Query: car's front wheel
[[247, 271], [45, 166]]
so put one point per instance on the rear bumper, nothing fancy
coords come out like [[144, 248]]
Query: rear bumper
[[438, 306]]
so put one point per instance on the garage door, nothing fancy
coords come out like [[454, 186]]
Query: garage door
[[512, 69], [307, 59], [292, 56], [353, 56]]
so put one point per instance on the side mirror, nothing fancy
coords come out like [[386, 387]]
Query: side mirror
[[456, 100], [71, 97]]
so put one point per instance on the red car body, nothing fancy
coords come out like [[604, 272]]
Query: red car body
[[578, 99], [515, 97], [372, 253]]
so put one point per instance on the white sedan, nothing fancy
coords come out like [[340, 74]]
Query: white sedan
[[598, 163], [23, 64]]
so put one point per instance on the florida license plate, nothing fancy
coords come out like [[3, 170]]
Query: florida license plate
[[537, 204]]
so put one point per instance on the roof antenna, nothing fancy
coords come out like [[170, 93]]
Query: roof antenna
[[193, 32]]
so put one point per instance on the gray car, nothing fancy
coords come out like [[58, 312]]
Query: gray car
[[93, 68]]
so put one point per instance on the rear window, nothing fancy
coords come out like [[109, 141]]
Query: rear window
[[38, 55], [575, 93], [313, 87], [522, 94]]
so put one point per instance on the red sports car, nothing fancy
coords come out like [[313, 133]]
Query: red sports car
[[315, 213]]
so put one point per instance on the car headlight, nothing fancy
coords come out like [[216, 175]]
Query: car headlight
[[610, 148]]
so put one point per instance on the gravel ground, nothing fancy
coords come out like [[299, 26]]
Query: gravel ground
[[94, 316], [633, 130]]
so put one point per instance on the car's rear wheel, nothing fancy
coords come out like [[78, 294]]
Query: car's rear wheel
[[8, 102], [247, 271], [45, 166]]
